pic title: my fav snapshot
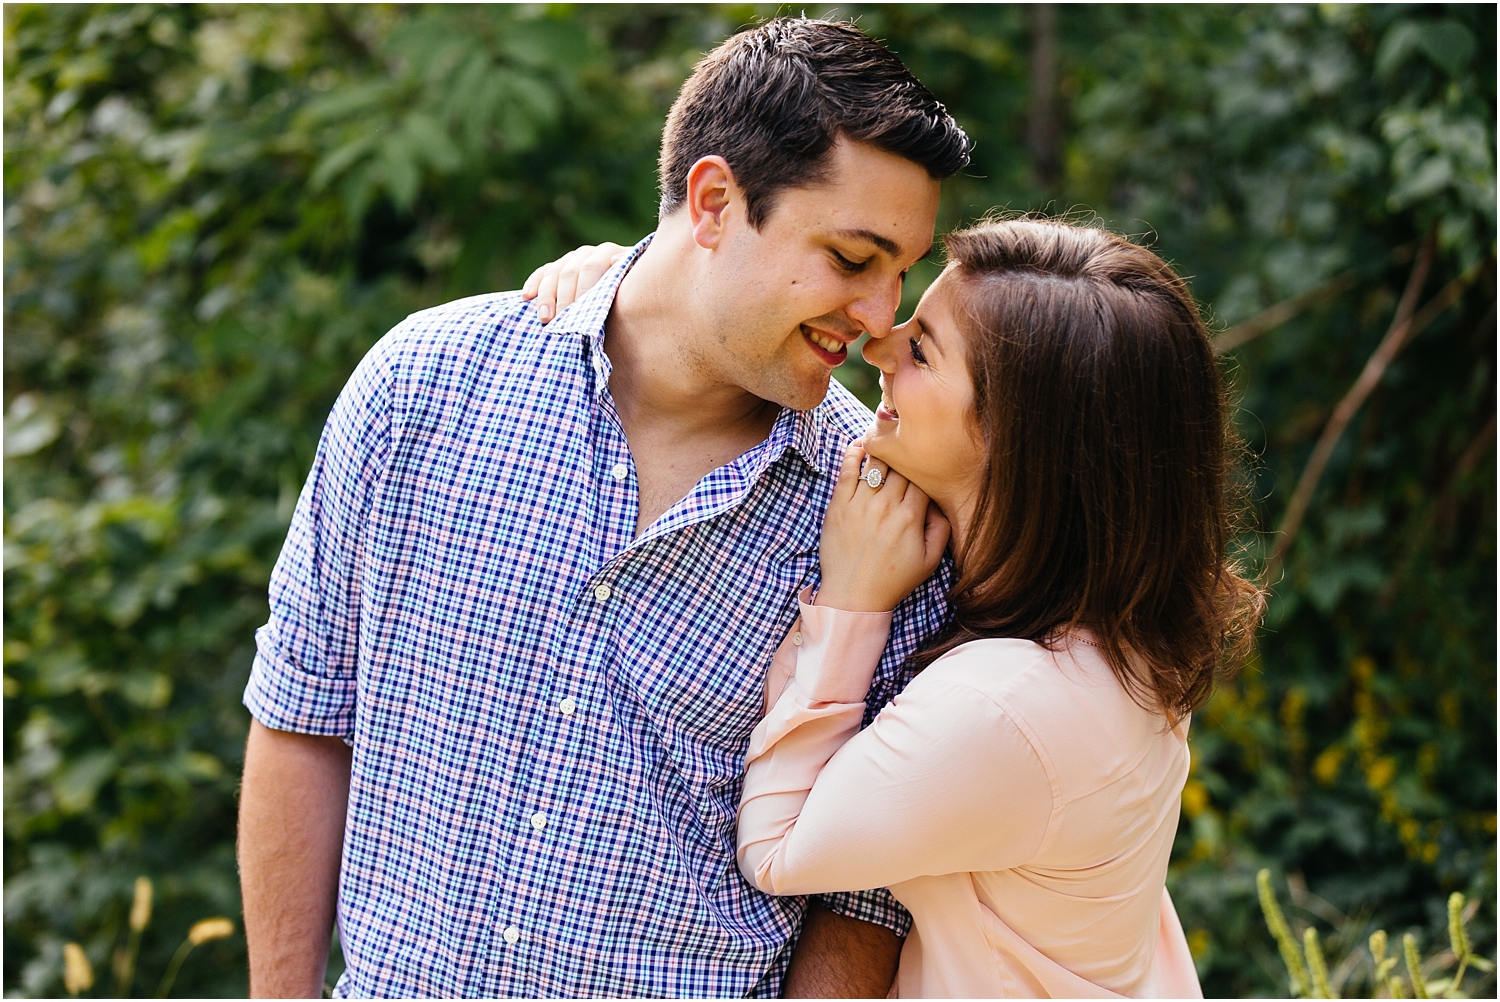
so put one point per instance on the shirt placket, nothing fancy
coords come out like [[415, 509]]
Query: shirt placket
[[571, 708]]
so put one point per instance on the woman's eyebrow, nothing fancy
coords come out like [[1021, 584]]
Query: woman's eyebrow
[[926, 333]]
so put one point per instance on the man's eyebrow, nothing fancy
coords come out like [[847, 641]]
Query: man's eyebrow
[[870, 236]]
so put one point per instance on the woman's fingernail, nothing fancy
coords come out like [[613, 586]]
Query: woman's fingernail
[[545, 312]]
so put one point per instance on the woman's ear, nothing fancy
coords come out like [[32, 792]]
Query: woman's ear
[[711, 190]]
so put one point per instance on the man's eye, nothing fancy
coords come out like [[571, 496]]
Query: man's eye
[[848, 265], [916, 351]]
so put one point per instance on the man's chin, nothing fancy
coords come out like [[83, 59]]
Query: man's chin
[[803, 396], [813, 395]]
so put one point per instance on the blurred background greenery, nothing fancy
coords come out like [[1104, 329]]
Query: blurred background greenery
[[211, 212]]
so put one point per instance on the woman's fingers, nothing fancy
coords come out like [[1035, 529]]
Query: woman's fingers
[[935, 534], [582, 270], [878, 542], [533, 282], [893, 486], [854, 454], [567, 277], [595, 264], [546, 293], [557, 284], [915, 499]]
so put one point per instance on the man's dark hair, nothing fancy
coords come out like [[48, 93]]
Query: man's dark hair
[[773, 101]]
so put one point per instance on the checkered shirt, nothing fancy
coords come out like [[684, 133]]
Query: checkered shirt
[[548, 715]]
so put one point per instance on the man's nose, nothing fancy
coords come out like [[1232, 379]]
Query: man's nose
[[875, 310]]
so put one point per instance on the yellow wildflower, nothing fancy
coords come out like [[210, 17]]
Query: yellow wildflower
[[210, 929], [78, 973], [140, 907]]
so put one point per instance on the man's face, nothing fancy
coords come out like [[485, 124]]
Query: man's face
[[824, 267]]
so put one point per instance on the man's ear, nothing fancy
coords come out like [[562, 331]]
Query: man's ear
[[711, 191]]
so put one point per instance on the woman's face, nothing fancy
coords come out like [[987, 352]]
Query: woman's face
[[925, 426]]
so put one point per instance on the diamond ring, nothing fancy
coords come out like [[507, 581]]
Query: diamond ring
[[874, 478]]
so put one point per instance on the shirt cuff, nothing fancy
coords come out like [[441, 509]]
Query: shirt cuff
[[283, 697], [878, 907], [840, 651]]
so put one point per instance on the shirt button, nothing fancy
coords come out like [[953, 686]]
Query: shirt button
[[602, 593], [567, 706], [797, 639], [539, 821], [511, 934], [620, 471]]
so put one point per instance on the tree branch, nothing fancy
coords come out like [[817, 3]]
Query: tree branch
[[1042, 129], [1436, 510], [1404, 326], [1274, 316]]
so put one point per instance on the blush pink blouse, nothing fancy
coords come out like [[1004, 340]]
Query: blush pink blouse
[[1016, 801]]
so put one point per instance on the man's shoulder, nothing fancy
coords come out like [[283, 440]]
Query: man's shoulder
[[463, 337], [473, 322]]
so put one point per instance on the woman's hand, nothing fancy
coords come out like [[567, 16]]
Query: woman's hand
[[878, 544], [554, 286]]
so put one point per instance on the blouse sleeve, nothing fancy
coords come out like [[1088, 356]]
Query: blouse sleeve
[[942, 782]]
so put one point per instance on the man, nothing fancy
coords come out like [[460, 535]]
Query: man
[[521, 623]]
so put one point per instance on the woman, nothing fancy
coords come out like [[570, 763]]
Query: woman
[[1056, 398]]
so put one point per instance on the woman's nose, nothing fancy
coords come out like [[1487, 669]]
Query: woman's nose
[[877, 352]]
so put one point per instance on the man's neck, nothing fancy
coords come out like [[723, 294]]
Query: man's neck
[[660, 348], [682, 416]]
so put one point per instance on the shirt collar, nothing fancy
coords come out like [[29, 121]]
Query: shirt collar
[[795, 430], [586, 317]]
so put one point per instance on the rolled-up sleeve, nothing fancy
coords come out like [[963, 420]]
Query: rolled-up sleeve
[[878, 907], [304, 677]]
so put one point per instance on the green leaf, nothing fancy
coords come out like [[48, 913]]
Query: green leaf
[[78, 784], [341, 159], [398, 168], [149, 690]]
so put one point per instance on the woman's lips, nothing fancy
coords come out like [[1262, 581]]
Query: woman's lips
[[886, 413]]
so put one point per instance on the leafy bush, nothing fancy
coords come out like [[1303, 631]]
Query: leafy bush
[[212, 212]]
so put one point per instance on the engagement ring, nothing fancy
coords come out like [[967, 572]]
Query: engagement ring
[[874, 478]]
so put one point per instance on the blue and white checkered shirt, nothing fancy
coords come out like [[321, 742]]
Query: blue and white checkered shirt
[[549, 715]]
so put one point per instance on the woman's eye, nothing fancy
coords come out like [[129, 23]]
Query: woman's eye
[[846, 264], [916, 351]]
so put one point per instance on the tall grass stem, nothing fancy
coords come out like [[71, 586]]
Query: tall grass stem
[[1276, 922]]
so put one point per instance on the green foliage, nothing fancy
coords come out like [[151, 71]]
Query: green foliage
[[212, 212], [1374, 970]]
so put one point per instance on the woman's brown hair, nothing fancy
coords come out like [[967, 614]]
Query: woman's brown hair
[[1104, 503]]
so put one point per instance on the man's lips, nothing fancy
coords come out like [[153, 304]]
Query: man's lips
[[830, 348]]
